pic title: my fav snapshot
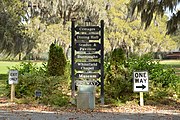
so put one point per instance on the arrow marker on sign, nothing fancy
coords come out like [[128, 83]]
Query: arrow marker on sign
[[143, 86], [88, 82]]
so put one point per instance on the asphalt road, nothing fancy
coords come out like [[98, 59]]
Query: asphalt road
[[30, 115]]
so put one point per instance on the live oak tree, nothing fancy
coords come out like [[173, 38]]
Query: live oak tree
[[54, 11], [149, 9], [49, 20], [128, 34], [34, 24], [12, 36]]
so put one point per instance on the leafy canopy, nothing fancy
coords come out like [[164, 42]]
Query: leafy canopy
[[149, 9]]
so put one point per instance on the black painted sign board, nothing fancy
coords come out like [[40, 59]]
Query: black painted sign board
[[91, 54], [87, 66], [87, 28], [87, 75], [87, 47], [87, 82], [87, 37], [87, 56]]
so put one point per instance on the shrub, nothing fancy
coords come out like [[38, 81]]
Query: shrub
[[117, 85], [54, 88], [163, 81], [57, 61], [161, 77]]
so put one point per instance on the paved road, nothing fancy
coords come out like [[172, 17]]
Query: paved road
[[30, 115]]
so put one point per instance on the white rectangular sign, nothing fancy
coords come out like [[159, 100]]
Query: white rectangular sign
[[140, 80], [13, 76]]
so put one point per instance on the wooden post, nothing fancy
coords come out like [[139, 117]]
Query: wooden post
[[12, 92], [141, 99]]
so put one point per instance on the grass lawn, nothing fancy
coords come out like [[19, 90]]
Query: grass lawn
[[174, 63], [4, 75], [5, 64]]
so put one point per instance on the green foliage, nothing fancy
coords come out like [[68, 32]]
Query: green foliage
[[117, 86], [13, 38], [163, 81], [51, 88], [57, 61], [25, 67], [58, 99], [31, 78], [118, 56]]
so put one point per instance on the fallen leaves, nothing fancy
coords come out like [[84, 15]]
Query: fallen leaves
[[5, 105]]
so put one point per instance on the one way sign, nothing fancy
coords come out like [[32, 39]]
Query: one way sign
[[140, 81]]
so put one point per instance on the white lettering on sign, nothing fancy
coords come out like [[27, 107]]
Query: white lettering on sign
[[88, 56], [140, 81], [13, 77], [87, 68], [87, 64], [83, 37], [86, 76], [87, 49], [87, 29], [95, 37], [85, 45]]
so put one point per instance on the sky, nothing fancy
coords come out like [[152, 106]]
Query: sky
[[170, 14]]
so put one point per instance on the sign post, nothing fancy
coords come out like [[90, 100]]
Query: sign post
[[141, 84], [13, 79], [87, 56], [141, 99]]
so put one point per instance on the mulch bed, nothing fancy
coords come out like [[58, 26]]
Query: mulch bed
[[8, 106]]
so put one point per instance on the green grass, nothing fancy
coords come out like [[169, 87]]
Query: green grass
[[173, 63], [5, 64], [4, 75]]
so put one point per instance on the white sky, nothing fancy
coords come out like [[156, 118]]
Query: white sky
[[170, 14]]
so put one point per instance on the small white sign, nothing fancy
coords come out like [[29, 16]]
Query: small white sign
[[141, 82], [13, 76]]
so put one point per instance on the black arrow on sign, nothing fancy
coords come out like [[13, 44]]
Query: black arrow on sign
[[143, 86]]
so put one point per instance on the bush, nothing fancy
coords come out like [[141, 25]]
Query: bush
[[163, 82], [57, 61], [161, 77], [31, 78], [117, 85]]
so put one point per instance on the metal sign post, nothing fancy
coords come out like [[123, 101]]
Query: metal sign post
[[72, 58], [87, 56], [102, 62]]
